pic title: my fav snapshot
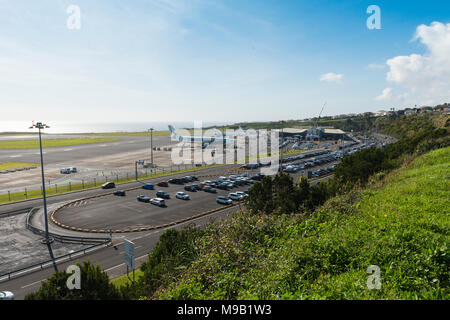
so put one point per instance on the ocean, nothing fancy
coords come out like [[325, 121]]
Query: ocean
[[95, 127]]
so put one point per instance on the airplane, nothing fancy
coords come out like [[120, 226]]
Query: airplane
[[205, 141]]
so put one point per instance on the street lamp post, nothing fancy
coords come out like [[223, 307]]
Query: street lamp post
[[151, 144], [40, 126], [280, 168]]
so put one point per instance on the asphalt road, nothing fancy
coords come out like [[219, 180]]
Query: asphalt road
[[85, 151]]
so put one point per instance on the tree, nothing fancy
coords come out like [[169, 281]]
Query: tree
[[260, 197], [95, 285], [284, 193]]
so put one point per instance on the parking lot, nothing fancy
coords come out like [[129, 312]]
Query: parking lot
[[120, 212], [116, 212]]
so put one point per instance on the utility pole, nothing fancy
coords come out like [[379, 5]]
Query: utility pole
[[40, 126], [151, 144]]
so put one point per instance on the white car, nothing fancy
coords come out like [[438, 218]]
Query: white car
[[158, 202], [235, 196], [6, 295], [242, 194], [182, 196], [224, 200]]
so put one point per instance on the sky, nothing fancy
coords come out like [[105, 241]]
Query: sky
[[218, 60]]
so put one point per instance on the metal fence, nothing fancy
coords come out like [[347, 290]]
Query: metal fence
[[78, 182]]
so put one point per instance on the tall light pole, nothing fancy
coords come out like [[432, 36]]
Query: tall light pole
[[40, 126], [151, 144], [281, 148]]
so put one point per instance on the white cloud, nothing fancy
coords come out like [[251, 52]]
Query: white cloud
[[425, 77], [332, 77], [385, 95]]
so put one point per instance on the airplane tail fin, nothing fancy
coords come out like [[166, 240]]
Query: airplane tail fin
[[173, 132], [217, 132]]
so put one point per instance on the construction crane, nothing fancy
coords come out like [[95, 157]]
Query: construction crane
[[313, 133], [315, 125]]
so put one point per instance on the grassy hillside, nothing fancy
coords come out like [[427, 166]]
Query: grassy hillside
[[400, 223]]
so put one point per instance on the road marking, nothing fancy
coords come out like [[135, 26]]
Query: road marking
[[102, 145], [16, 156], [32, 284], [68, 149], [122, 264]]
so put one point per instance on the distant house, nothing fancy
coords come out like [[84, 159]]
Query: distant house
[[380, 113]]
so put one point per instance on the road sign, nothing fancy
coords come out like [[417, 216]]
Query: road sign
[[129, 253]]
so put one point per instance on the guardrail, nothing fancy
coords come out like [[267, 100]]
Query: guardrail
[[48, 263], [14, 212]]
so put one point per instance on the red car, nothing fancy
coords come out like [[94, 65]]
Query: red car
[[162, 184]]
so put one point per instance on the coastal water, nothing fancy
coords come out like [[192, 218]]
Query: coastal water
[[94, 127]]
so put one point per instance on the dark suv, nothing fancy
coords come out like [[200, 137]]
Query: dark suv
[[109, 185], [190, 188], [163, 194]]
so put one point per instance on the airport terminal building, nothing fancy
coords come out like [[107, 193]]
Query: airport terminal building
[[317, 133]]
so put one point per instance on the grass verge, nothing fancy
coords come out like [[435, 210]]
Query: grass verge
[[15, 165], [49, 143], [124, 279]]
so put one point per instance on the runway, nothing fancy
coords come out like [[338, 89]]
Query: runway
[[76, 153]]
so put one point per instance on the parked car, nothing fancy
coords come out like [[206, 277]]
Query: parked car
[[6, 295], [222, 186], [148, 186], [175, 181], [65, 170], [190, 188], [209, 189], [158, 202], [120, 193], [235, 196], [73, 170], [143, 198], [108, 185], [162, 194], [196, 187], [242, 194], [181, 195], [224, 200], [162, 184]]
